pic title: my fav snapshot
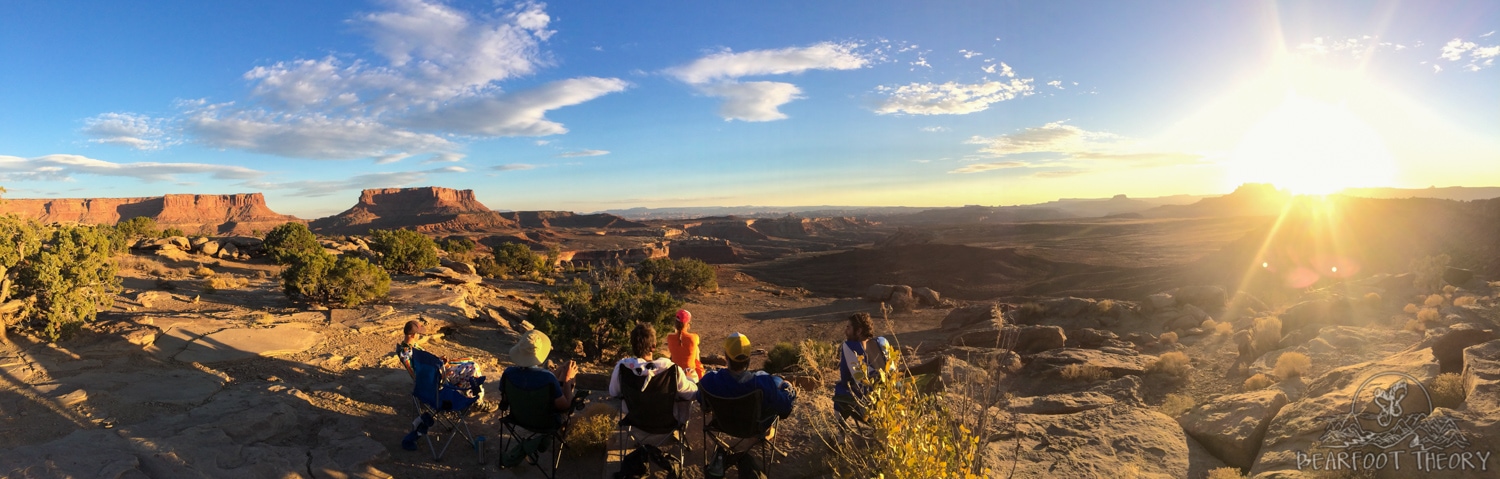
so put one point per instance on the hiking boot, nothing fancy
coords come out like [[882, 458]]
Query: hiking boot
[[513, 456], [410, 441]]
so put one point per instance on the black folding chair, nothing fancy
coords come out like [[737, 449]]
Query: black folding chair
[[738, 418], [650, 422], [532, 422], [446, 404]]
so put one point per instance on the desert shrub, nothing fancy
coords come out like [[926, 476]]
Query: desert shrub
[[589, 435], [223, 282], [1176, 404], [684, 275], [1224, 328], [1411, 308], [782, 356], [1447, 390], [1085, 372], [202, 271], [1225, 473], [1372, 299], [1105, 306], [1429, 315], [1175, 363], [1428, 272], [817, 357], [285, 242], [64, 273], [920, 436], [137, 227], [1415, 326], [1466, 301], [516, 259], [1169, 337], [1208, 324], [486, 266], [601, 312], [404, 251], [1265, 333], [170, 232], [1257, 382], [1433, 301], [346, 281], [1292, 364], [1449, 289], [457, 246]]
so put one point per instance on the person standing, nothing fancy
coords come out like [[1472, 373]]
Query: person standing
[[683, 347]]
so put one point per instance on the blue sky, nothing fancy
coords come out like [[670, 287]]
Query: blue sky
[[597, 105]]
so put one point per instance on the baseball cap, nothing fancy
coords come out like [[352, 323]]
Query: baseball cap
[[683, 316], [737, 347]]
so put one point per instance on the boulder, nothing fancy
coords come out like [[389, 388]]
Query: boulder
[[927, 297], [1116, 364], [1232, 426], [1482, 378], [1141, 338], [1449, 348], [972, 314], [198, 242], [902, 299], [1067, 403], [1100, 442], [1026, 339], [458, 266], [209, 248], [1457, 276], [243, 242], [1068, 307], [879, 293], [181, 242], [1206, 297], [1161, 301], [228, 249], [1125, 390], [1090, 338]]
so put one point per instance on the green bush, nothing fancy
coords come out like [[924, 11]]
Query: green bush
[[346, 281], [601, 313], [684, 275], [782, 356], [291, 239], [457, 246], [487, 267], [404, 251], [64, 273], [170, 232], [516, 259], [137, 227]]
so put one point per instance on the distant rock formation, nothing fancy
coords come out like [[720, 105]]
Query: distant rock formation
[[232, 214], [568, 219], [430, 209]]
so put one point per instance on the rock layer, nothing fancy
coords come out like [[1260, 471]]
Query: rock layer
[[427, 209], [210, 214]]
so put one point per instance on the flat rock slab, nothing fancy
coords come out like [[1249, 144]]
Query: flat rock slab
[[1061, 403], [1102, 442], [241, 343], [1233, 426], [1116, 364]]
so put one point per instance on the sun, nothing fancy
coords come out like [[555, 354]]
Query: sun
[[1314, 147]]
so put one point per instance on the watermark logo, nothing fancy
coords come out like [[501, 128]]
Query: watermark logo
[[1389, 427]]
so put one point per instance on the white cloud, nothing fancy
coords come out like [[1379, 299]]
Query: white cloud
[[951, 98], [969, 54], [981, 167], [988, 68], [445, 157], [1480, 57], [519, 114], [127, 129], [1487, 35], [1005, 71], [435, 74], [934, 129], [1437, 68], [1455, 48], [582, 153], [730, 66], [1059, 144], [513, 167], [718, 75], [753, 101], [1486, 52], [1055, 84], [64, 167]]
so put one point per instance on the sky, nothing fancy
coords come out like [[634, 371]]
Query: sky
[[595, 105]]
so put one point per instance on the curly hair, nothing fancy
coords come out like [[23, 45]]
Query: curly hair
[[863, 327]]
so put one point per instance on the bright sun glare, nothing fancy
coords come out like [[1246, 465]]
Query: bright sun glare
[[1312, 147]]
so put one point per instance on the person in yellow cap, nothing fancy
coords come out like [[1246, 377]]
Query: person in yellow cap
[[777, 395], [683, 346]]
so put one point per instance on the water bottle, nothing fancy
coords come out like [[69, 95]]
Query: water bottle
[[479, 446]]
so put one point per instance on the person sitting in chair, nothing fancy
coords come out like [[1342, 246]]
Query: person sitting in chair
[[777, 397], [529, 353], [644, 367], [683, 346], [460, 376]]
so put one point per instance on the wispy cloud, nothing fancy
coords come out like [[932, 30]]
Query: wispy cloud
[[950, 98], [1480, 57], [65, 167], [1060, 145], [392, 179], [434, 80], [1055, 84], [934, 129], [582, 153], [999, 165], [127, 129], [719, 75], [513, 167]]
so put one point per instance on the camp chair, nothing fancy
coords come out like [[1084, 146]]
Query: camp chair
[[532, 423], [650, 423], [740, 419], [445, 403]]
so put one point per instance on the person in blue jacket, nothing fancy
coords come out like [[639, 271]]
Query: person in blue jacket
[[737, 380]]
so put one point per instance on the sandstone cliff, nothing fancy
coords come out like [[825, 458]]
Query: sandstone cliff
[[429, 210], [568, 219], [206, 214]]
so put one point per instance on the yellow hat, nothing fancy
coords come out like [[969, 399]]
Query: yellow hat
[[531, 350], [737, 347]]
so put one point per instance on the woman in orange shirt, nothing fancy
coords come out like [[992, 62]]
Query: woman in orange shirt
[[684, 347]]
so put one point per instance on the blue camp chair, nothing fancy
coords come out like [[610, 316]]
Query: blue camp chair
[[443, 402]]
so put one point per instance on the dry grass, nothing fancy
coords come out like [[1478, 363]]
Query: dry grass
[[1265, 333], [1447, 390], [1168, 337], [1176, 405], [202, 271], [1449, 289], [590, 434], [1433, 301], [1175, 363], [1429, 315], [1209, 324], [1086, 372], [224, 282], [1105, 306], [1415, 326], [1224, 328], [1292, 365], [1466, 301], [1411, 308], [1225, 473], [1257, 382]]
